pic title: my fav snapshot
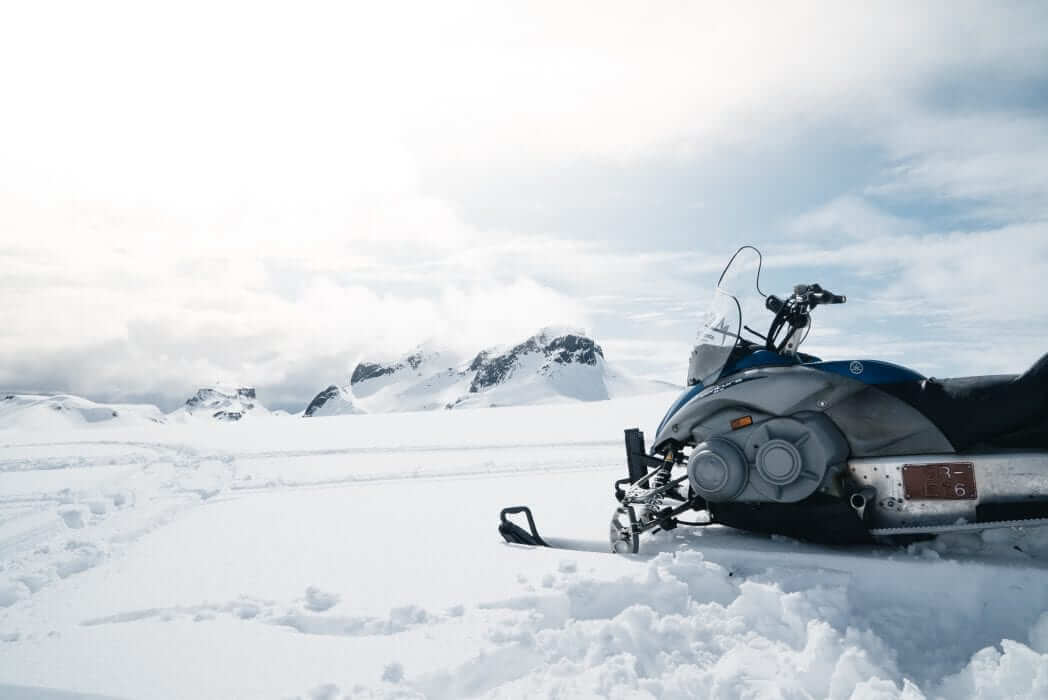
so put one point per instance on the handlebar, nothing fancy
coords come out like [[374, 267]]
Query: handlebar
[[795, 312], [813, 294]]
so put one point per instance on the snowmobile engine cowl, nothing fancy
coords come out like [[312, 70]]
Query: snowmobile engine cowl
[[718, 470], [784, 460]]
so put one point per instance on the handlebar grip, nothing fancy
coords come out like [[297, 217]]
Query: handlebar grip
[[824, 297]]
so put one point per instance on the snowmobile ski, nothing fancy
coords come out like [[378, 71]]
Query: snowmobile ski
[[515, 534]]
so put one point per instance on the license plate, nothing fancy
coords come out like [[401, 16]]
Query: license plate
[[953, 481]]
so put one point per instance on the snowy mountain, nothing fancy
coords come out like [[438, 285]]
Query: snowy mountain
[[554, 365], [33, 411], [333, 401], [222, 404]]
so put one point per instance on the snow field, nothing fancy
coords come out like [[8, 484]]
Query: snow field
[[357, 556]]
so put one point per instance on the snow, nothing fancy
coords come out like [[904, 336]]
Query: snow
[[55, 412], [357, 556]]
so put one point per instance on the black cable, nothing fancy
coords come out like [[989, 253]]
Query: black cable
[[760, 265]]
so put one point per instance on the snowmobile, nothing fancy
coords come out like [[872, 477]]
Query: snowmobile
[[771, 440]]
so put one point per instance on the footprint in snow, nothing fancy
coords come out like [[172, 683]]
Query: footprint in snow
[[73, 517], [319, 601]]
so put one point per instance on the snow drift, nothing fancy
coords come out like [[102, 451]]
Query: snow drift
[[51, 412]]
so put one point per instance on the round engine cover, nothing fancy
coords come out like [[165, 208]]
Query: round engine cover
[[790, 458], [778, 462], [718, 470]]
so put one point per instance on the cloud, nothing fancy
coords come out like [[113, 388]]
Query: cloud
[[959, 301], [992, 162], [163, 340], [337, 99], [849, 217], [237, 192]]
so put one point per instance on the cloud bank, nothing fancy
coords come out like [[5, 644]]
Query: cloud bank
[[263, 195]]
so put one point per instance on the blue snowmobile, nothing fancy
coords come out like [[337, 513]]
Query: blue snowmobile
[[771, 440]]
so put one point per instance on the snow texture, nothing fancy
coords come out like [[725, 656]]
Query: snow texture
[[55, 412], [356, 557]]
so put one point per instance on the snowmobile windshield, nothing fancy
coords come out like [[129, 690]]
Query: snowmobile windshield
[[717, 338], [737, 290]]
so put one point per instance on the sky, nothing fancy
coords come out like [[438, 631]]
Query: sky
[[267, 193]]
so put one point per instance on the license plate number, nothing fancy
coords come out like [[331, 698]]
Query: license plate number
[[954, 481]]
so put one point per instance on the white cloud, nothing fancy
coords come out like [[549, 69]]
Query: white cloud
[[967, 302], [849, 217], [993, 161], [238, 190], [338, 99]]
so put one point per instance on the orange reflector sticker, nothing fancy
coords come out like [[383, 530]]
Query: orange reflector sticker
[[741, 422]]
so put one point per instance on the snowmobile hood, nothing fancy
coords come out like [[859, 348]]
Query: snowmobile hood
[[872, 372], [685, 396]]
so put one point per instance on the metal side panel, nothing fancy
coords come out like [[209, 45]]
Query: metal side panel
[[949, 488]]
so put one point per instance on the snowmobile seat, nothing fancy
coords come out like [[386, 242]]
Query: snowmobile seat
[[995, 411]]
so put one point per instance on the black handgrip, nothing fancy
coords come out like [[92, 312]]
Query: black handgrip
[[822, 296], [831, 298]]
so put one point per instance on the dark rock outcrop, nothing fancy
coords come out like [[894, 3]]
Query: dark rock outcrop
[[204, 396], [372, 370], [578, 349], [563, 349], [369, 370], [224, 405], [322, 398]]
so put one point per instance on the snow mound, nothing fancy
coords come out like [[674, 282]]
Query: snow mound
[[227, 404], [554, 365], [687, 627], [42, 412]]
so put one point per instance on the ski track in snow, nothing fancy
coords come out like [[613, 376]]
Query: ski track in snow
[[182, 471], [294, 616], [388, 556]]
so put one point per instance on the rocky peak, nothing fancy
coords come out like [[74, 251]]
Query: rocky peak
[[322, 398], [372, 370], [369, 370], [333, 401], [571, 348], [557, 347], [225, 404]]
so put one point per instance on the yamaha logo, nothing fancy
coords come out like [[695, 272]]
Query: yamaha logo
[[856, 367]]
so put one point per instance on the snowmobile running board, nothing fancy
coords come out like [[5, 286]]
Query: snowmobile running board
[[515, 534]]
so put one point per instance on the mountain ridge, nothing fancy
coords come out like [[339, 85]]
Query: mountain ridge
[[552, 365]]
